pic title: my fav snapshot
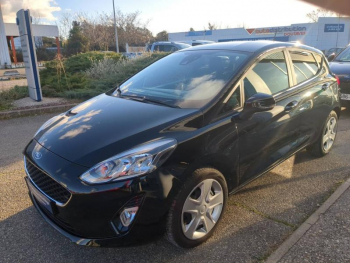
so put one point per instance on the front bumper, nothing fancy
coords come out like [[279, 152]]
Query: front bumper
[[91, 215]]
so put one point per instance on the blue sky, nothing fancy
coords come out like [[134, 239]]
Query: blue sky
[[178, 15]]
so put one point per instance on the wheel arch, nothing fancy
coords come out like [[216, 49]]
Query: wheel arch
[[337, 111]]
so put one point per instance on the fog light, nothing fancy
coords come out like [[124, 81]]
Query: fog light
[[128, 215]]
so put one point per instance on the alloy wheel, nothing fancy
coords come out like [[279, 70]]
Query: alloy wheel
[[202, 209], [329, 134]]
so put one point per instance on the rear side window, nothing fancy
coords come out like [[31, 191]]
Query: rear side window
[[305, 65], [159, 48], [169, 48], [269, 76]]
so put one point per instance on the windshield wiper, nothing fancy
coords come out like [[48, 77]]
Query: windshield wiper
[[144, 99]]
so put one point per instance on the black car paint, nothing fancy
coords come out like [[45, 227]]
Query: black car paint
[[342, 70], [241, 149]]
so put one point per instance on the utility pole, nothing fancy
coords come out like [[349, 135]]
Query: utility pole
[[115, 29]]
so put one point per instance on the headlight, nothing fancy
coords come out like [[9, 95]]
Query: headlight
[[135, 162]]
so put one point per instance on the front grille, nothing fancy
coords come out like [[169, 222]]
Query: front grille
[[46, 184]]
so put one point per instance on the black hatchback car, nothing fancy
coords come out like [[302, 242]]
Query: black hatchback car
[[340, 66], [163, 151]]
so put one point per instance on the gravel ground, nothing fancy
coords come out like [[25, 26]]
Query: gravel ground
[[8, 84], [258, 218]]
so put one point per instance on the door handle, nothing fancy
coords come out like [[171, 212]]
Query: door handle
[[325, 86], [291, 105]]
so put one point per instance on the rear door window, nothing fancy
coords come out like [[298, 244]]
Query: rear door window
[[269, 76], [304, 64]]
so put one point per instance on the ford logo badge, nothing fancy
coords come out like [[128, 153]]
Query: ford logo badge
[[37, 155]]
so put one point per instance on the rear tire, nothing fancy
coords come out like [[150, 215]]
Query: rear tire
[[326, 140], [197, 209]]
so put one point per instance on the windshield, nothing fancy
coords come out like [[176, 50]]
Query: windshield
[[188, 79], [344, 56]]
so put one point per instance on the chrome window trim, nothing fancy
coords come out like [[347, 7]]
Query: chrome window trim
[[38, 188]]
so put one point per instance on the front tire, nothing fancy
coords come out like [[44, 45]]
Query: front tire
[[197, 209], [326, 140]]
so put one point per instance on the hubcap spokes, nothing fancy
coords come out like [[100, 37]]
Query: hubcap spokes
[[329, 134], [202, 209]]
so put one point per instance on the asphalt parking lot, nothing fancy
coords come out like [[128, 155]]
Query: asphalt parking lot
[[258, 219]]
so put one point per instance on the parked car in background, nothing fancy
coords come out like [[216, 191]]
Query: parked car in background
[[340, 66], [335, 50], [197, 42], [162, 151], [167, 46]]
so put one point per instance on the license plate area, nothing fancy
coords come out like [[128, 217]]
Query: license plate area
[[344, 96], [41, 199]]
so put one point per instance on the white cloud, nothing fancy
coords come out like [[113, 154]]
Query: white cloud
[[38, 8]]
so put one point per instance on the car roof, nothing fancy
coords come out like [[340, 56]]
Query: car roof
[[167, 42], [257, 46]]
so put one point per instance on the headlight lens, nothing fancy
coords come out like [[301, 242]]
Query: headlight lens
[[135, 162]]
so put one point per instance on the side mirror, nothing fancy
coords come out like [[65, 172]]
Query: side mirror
[[257, 103], [331, 57]]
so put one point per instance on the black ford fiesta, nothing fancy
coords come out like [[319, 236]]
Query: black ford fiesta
[[162, 152]]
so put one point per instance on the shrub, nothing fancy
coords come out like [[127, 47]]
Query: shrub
[[8, 96], [65, 74], [106, 73]]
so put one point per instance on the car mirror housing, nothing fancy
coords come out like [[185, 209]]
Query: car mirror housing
[[331, 57], [257, 103]]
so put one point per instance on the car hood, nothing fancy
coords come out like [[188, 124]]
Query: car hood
[[340, 68], [105, 126]]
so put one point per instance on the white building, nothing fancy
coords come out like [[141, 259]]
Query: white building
[[327, 33], [9, 34]]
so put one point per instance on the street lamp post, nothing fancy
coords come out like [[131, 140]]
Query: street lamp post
[[115, 29]]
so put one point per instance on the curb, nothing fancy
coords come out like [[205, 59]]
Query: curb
[[300, 232], [27, 112]]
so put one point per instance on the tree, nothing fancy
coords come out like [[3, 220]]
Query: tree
[[191, 29], [162, 36], [76, 42], [212, 26], [314, 15]]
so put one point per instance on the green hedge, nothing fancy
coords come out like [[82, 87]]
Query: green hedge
[[65, 74], [82, 76]]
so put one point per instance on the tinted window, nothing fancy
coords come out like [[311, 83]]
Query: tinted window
[[169, 48], [187, 79], [234, 101], [344, 55], [305, 65], [269, 76], [159, 48]]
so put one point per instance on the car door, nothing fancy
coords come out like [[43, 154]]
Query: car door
[[317, 89], [269, 137]]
